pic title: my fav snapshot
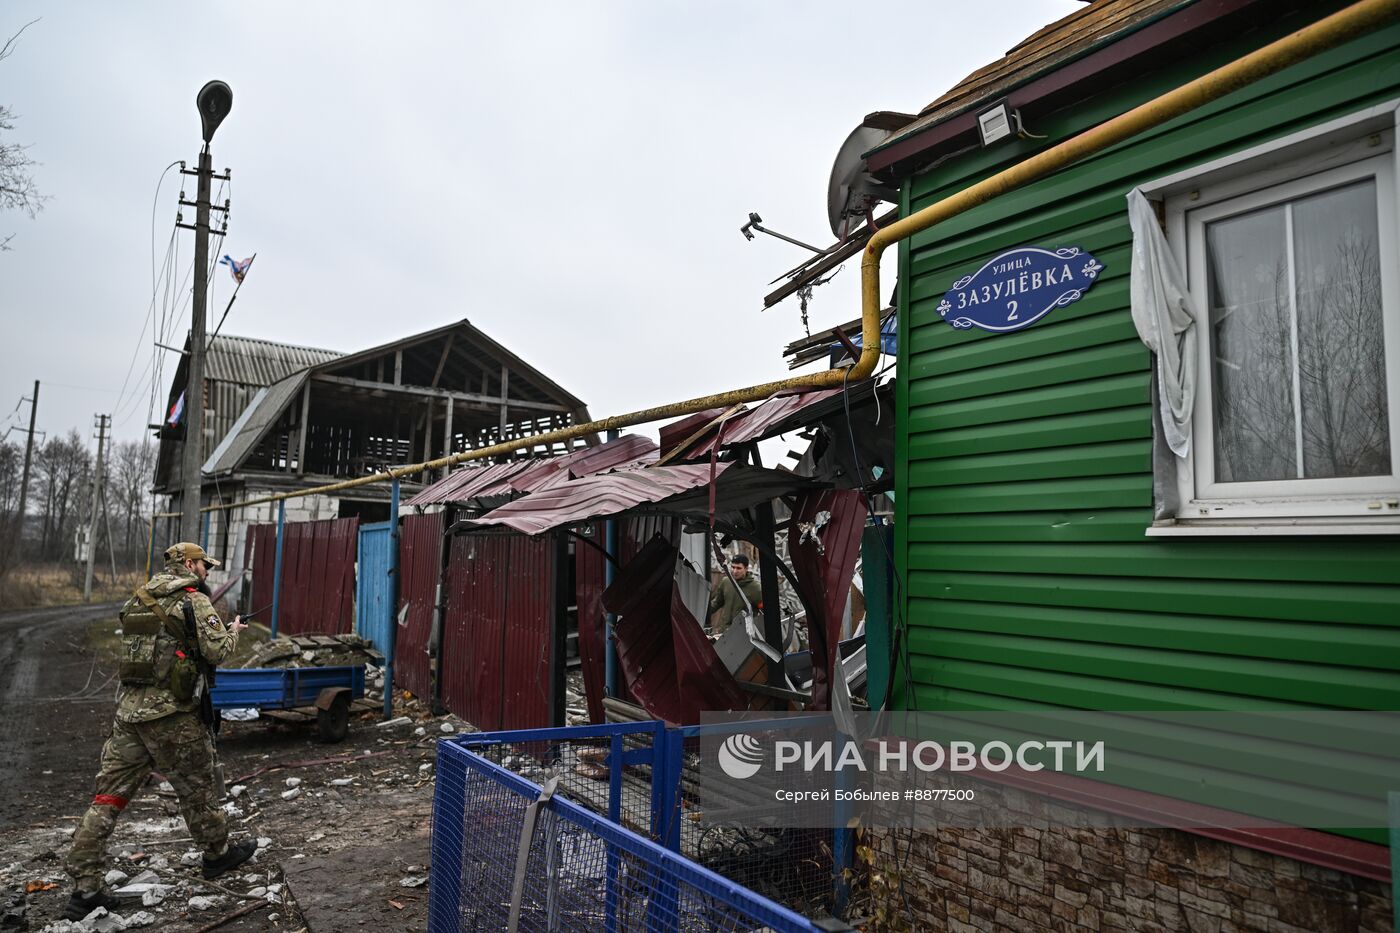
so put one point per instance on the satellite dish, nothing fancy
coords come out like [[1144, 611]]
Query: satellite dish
[[853, 192]]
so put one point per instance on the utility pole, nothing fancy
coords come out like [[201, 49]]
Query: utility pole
[[107, 523], [24, 477], [103, 422], [214, 101]]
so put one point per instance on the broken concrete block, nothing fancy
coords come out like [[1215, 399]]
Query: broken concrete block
[[258, 891], [264, 842], [413, 881], [292, 794], [142, 918], [420, 732], [293, 782], [342, 782], [200, 902], [192, 857], [115, 876], [237, 791], [153, 895], [447, 728], [102, 921]]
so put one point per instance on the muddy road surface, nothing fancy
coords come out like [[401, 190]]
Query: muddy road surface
[[342, 828], [55, 710]]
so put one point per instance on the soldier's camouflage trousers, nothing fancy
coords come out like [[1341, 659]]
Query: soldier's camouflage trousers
[[178, 747]]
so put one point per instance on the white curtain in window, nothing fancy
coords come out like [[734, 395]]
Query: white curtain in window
[[1164, 316]]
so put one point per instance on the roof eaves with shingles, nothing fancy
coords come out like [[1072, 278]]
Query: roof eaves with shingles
[[1096, 25]]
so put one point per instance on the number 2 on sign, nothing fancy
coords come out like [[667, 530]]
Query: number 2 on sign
[[1012, 306]]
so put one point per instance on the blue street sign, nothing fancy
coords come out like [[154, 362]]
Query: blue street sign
[[1019, 287]]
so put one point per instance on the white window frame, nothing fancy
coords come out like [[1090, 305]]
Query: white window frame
[[1341, 151]]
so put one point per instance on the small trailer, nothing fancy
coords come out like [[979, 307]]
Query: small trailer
[[323, 693]]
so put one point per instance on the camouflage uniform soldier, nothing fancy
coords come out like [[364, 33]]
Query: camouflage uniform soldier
[[158, 725]]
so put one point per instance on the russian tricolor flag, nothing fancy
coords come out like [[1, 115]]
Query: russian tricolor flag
[[238, 269]]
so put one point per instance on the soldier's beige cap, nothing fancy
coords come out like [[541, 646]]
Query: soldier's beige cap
[[185, 551]]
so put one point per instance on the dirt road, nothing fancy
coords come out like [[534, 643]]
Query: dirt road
[[55, 704], [334, 855]]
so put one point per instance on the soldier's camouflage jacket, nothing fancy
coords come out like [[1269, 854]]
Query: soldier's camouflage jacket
[[171, 588]]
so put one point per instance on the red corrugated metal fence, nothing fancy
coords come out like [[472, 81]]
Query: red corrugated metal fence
[[420, 559], [496, 639], [318, 576], [263, 539]]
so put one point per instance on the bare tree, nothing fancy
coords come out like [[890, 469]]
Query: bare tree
[[133, 465], [11, 522], [11, 461], [64, 468], [17, 189]]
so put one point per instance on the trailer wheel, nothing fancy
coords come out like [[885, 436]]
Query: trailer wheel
[[333, 719]]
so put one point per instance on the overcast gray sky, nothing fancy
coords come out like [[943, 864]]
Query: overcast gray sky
[[571, 177]]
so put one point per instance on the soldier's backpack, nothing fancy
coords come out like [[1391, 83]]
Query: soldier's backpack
[[145, 660]]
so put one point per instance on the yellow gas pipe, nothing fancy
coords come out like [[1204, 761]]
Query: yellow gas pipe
[[1326, 33]]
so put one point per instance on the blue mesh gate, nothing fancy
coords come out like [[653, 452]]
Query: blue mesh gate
[[580, 870]]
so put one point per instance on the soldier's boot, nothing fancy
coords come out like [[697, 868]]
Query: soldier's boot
[[237, 854], [80, 904]]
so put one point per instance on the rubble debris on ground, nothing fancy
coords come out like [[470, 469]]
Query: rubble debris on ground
[[12, 915], [575, 703], [314, 651]]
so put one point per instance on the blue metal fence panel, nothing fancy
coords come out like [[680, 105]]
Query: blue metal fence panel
[[374, 615], [582, 871]]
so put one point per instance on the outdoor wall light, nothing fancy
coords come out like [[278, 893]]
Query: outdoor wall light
[[995, 124]]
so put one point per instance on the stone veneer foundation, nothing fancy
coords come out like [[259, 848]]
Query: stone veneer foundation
[[1114, 878]]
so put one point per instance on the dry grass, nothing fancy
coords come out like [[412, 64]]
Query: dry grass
[[35, 586]]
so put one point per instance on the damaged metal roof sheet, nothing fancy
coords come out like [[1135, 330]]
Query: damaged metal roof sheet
[[262, 412], [682, 489], [774, 416], [520, 476], [250, 361], [469, 483]]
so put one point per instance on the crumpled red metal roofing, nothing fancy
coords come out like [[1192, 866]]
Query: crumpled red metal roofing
[[677, 489], [629, 451], [670, 666], [519, 476], [598, 495], [754, 424], [772, 416], [467, 484]]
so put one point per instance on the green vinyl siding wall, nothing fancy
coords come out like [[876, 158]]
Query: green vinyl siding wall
[[1024, 459]]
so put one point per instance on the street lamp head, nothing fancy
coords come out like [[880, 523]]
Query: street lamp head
[[214, 100]]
